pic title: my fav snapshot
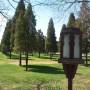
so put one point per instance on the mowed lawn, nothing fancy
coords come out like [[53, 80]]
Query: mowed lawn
[[43, 76]]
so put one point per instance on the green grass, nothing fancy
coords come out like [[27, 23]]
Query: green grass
[[46, 76]]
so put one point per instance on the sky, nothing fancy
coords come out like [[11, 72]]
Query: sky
[[43, 15]]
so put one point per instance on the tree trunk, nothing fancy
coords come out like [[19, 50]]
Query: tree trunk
[[50, 55], [86, 51], [20, 61], [39, 54], [32, 53], [26, 61], [10, 54], [86, 58]]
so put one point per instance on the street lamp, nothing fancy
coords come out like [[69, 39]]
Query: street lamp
[[70, 52]]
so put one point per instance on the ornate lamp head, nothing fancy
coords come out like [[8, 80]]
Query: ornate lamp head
[[71, 46]]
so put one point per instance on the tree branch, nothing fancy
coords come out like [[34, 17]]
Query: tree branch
[[15, 1], [11, 4], [5, 16]]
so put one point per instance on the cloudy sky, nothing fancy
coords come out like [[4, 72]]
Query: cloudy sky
[[43, 14]]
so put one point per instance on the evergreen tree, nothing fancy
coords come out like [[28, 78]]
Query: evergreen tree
[[12, 35], [30, 35], [19, 31], [40, 42], [63, 28], [85, 16], [51, 44], [85, 26], [5, 42], [71, 22], [19, 42], [31, 23], [20, 9]]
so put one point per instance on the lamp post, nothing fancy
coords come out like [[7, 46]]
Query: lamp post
[[71, 52]]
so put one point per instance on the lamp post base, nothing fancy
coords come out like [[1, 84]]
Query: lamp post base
[[70, 84], [70, 71]]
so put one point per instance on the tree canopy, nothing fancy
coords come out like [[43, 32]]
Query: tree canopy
[[20, 9], [71, 22], [51, 44], [40, 42], [5, 42], [30, 26]]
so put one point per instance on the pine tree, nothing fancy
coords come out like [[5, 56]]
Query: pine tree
[[5, 42], [19, 42], [31, 23], [85, 26], [71, 22], [51, 44], [40, 42], [19, 31], [12, 35], [20, 35], [85, 16], [20, 9], [63, 28]]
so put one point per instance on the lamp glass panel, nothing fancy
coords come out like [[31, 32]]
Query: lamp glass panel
[[76, 47], [66, 46]]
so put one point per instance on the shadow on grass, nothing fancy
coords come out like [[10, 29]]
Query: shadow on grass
[[86, 65], [13, 56], [45, 57], [48, 57], [16, 57], [78, 73], [45, 69]]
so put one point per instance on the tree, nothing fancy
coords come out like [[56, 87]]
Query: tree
[[63, 28], [19, 42], [51, 44], [85, 26], [5, 42], [71, 22], [31, 23], [84, 16], [20, 8], [19, 36], [78, 23], [12, 34], [40, 42]]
